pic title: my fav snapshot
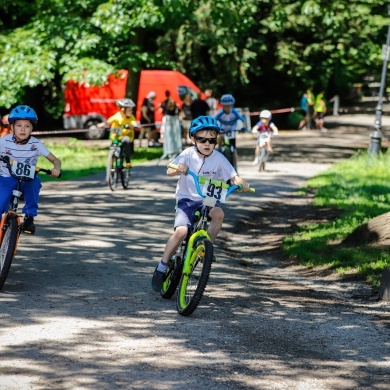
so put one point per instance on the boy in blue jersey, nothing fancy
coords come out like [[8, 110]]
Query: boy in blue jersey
[[228, 118]]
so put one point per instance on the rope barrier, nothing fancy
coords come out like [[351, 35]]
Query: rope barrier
[[53, 132], [139, 126], [279, 111]]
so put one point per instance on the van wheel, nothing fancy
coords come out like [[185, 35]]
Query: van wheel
[[94, 132]]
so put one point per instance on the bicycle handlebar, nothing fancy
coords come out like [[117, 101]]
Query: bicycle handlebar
[[201, 180], [9, 162], [222, 132]]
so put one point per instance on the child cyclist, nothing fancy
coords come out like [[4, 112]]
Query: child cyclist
[[228, 117], [21, 146], [122, 127], [261, 128], [205, 161]]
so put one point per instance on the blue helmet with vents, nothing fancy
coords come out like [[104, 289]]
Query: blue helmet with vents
[[227, 100], [204, 122], [22, 112]]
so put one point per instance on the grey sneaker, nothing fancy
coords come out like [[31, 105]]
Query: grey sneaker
[[158, 279]]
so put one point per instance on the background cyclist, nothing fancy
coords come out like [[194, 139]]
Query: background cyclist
[[264, 127], [122, 127], [228, 118]]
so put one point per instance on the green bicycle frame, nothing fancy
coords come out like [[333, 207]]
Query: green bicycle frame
[[190, 257]]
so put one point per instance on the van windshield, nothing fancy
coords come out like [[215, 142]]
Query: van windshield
[[184, 90]]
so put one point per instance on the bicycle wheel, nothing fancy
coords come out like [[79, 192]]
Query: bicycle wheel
[[7, 248], [125, 177], [173, 278], [111, 170], [192, 285], [263, 155]]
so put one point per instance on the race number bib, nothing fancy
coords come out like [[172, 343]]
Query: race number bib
[[213, 192], [23, 170]]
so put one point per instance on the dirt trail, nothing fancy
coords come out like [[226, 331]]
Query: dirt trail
[[78, 311]]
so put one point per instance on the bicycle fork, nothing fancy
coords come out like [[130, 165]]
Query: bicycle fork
[[189, 255]]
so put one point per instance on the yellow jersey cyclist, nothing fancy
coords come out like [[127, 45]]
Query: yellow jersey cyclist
[[122, 126]]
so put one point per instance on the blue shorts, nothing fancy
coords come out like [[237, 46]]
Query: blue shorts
[[185, 211]]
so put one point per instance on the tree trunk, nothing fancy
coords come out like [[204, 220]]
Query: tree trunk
[[133, 79], [375, 232]]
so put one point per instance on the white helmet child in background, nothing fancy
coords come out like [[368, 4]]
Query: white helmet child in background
[[265, 130]]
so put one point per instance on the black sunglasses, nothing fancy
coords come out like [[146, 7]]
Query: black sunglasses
[[203, 140]]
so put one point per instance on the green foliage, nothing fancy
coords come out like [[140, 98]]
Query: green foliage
[[266, 52], [360, 188]]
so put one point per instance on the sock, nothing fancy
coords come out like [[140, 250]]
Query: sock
[[162, 267]]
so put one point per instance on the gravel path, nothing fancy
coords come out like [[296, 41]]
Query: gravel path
[[78, 311]]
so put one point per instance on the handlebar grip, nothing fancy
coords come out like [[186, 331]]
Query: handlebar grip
[[173, 166], [47, 171]]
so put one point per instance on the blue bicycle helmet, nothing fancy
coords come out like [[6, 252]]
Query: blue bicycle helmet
[[202, 123], [23, 112], [227, 100]]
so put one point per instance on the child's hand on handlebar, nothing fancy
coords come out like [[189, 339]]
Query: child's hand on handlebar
[[182, 168], [55, 172], [245, 186]]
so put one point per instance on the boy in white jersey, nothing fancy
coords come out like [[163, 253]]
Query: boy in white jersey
[[204, 161], [21, 146]]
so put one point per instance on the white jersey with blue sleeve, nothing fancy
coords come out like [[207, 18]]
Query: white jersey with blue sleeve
[[228, 122]]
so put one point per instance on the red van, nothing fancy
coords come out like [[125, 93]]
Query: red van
[[86, 105]]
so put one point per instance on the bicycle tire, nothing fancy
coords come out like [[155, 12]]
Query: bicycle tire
[[112, 170], [125, 177], [192, 285], [263, 155], [228, 154], [173, 278], [7, 248]]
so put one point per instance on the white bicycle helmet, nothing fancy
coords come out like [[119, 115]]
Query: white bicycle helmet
[[265, 114], [125, 103]]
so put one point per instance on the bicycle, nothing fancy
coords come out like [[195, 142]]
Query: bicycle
[[229, 150], [263, 154], [116, 164], [189, 270], [11, 226]]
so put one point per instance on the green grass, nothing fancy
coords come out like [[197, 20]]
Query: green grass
[[360, 189], [80, 159]]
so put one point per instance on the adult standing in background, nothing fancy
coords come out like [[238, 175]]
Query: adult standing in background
[[170, 128], [310, 107], [186, 118], [302, 123], [320, 111], [211, 101], [148, 126], [199, 107]]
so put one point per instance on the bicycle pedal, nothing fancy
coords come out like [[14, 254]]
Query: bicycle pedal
[[32, 232]]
